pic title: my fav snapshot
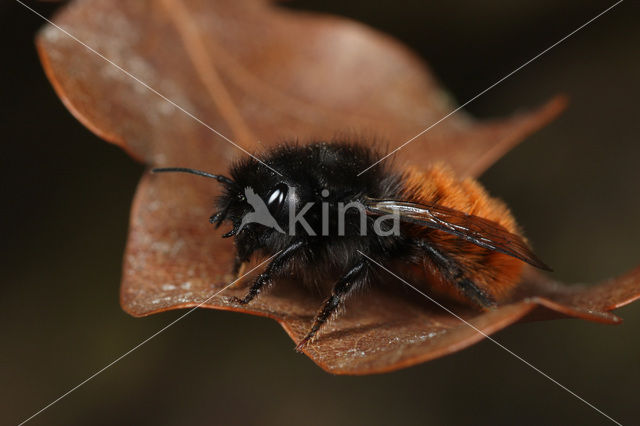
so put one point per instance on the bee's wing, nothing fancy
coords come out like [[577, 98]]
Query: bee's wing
[[479, 231]]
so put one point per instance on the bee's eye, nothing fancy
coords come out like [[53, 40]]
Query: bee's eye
[[277, 196]]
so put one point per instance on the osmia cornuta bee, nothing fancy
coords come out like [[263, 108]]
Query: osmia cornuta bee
[[449, 231]]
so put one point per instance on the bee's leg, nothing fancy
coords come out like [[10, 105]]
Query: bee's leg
[[273, 269], [351, 280], [218, 217], [454, 273]]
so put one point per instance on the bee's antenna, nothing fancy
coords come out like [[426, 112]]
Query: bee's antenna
[[222, 179]]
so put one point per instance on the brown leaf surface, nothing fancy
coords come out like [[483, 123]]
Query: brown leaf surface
[[260, 74]]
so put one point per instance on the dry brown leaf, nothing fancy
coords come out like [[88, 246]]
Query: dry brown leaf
[[261, 75]]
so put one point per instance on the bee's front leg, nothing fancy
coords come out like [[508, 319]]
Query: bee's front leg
[[272, 270]]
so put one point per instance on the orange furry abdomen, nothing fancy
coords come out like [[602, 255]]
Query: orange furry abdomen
[[494, 272]]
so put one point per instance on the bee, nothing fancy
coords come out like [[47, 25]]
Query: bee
[[447, 230]]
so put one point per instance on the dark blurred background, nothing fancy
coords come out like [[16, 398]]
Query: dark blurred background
[[573, 186]]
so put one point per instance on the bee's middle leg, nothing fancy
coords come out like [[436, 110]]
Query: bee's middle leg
[[356, 276]]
